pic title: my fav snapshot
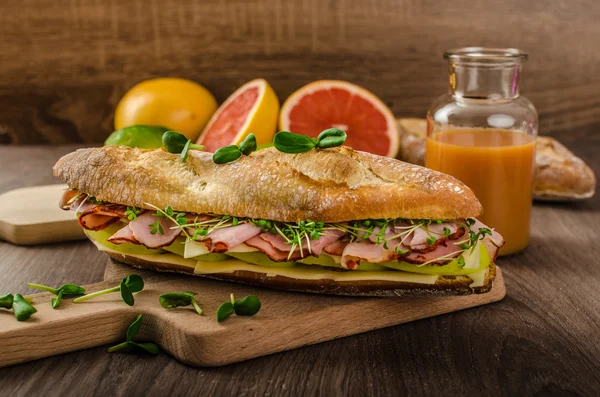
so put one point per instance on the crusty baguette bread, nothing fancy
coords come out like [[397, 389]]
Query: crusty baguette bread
[[559, 174], [331, 185], [446, 285]]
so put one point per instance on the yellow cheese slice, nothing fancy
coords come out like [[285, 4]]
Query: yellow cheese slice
[[311, 272], [300, 272]]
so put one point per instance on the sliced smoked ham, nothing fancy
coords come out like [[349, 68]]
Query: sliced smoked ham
[[223, 239], [124, 235], [365, 250], [68, 198], [142, 231], [441, 250], [493, 243], [273, 253], [96, 222], [99, 216], [336, 248], [316, 246]]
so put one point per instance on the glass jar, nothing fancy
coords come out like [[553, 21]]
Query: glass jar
[[483, 133]]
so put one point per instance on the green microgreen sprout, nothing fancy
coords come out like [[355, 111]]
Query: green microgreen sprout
[[21, 307], [63, 290], [176, 299], [288, 142], [294, 234], [129, 285], [179, 218], [400, 251], [129, 343], [431, 240], [6, 301], [227, 154], [132, 213], [177, 143], [247, 306]]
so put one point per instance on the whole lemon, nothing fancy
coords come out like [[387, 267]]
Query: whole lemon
[[178, 104]]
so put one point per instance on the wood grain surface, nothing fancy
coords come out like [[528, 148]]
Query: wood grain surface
[[29, 215], [287, 320], [66, 63], [543, 339]]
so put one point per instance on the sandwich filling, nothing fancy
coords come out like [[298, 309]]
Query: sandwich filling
[[422, 246]]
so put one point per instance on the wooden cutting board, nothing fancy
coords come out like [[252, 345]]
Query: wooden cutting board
[[30, 215], [286, 321]]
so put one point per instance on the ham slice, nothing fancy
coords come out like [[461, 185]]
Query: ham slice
[[336, 248], [223, 239], [442, 249], [99, 216], [124, 235], [389, 233], [273, 253], [447, 248], [330, 236], [420, 235], [493, 243], [316, 246], [142, 231], [368, 251], [65, 202], [96, 222]]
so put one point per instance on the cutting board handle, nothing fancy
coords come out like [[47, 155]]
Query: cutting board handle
[[67, 328]]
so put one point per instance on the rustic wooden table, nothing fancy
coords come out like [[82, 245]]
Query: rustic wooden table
[[542, 339]]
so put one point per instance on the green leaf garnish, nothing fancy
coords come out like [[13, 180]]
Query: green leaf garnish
[[6, 301], [127, 287], [431, 240], [132, 213], [248, 145], [176, 299], [224, 311], [247, 306], [129, 344], [227, 154], [21, 308], [63, 290], [156, 227], [331, 137], [288, 142], [177, 143]]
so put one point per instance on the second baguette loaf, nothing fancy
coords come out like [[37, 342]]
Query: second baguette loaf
[[559, 174]]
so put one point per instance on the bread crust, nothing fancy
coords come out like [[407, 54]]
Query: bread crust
[[559, 174], [331, 185], [448, 285]]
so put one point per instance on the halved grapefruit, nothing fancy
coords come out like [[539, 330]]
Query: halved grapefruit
[[252, 108], [324, 104]]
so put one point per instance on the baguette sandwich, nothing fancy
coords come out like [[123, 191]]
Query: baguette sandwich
[[334, 221]]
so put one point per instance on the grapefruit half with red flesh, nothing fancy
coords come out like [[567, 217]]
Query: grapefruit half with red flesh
[[252, 108], [323, 104]]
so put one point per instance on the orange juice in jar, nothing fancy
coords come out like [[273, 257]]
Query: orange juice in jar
[[483, 133]]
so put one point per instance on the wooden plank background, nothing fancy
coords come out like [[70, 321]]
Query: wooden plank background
[[64, 64]]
